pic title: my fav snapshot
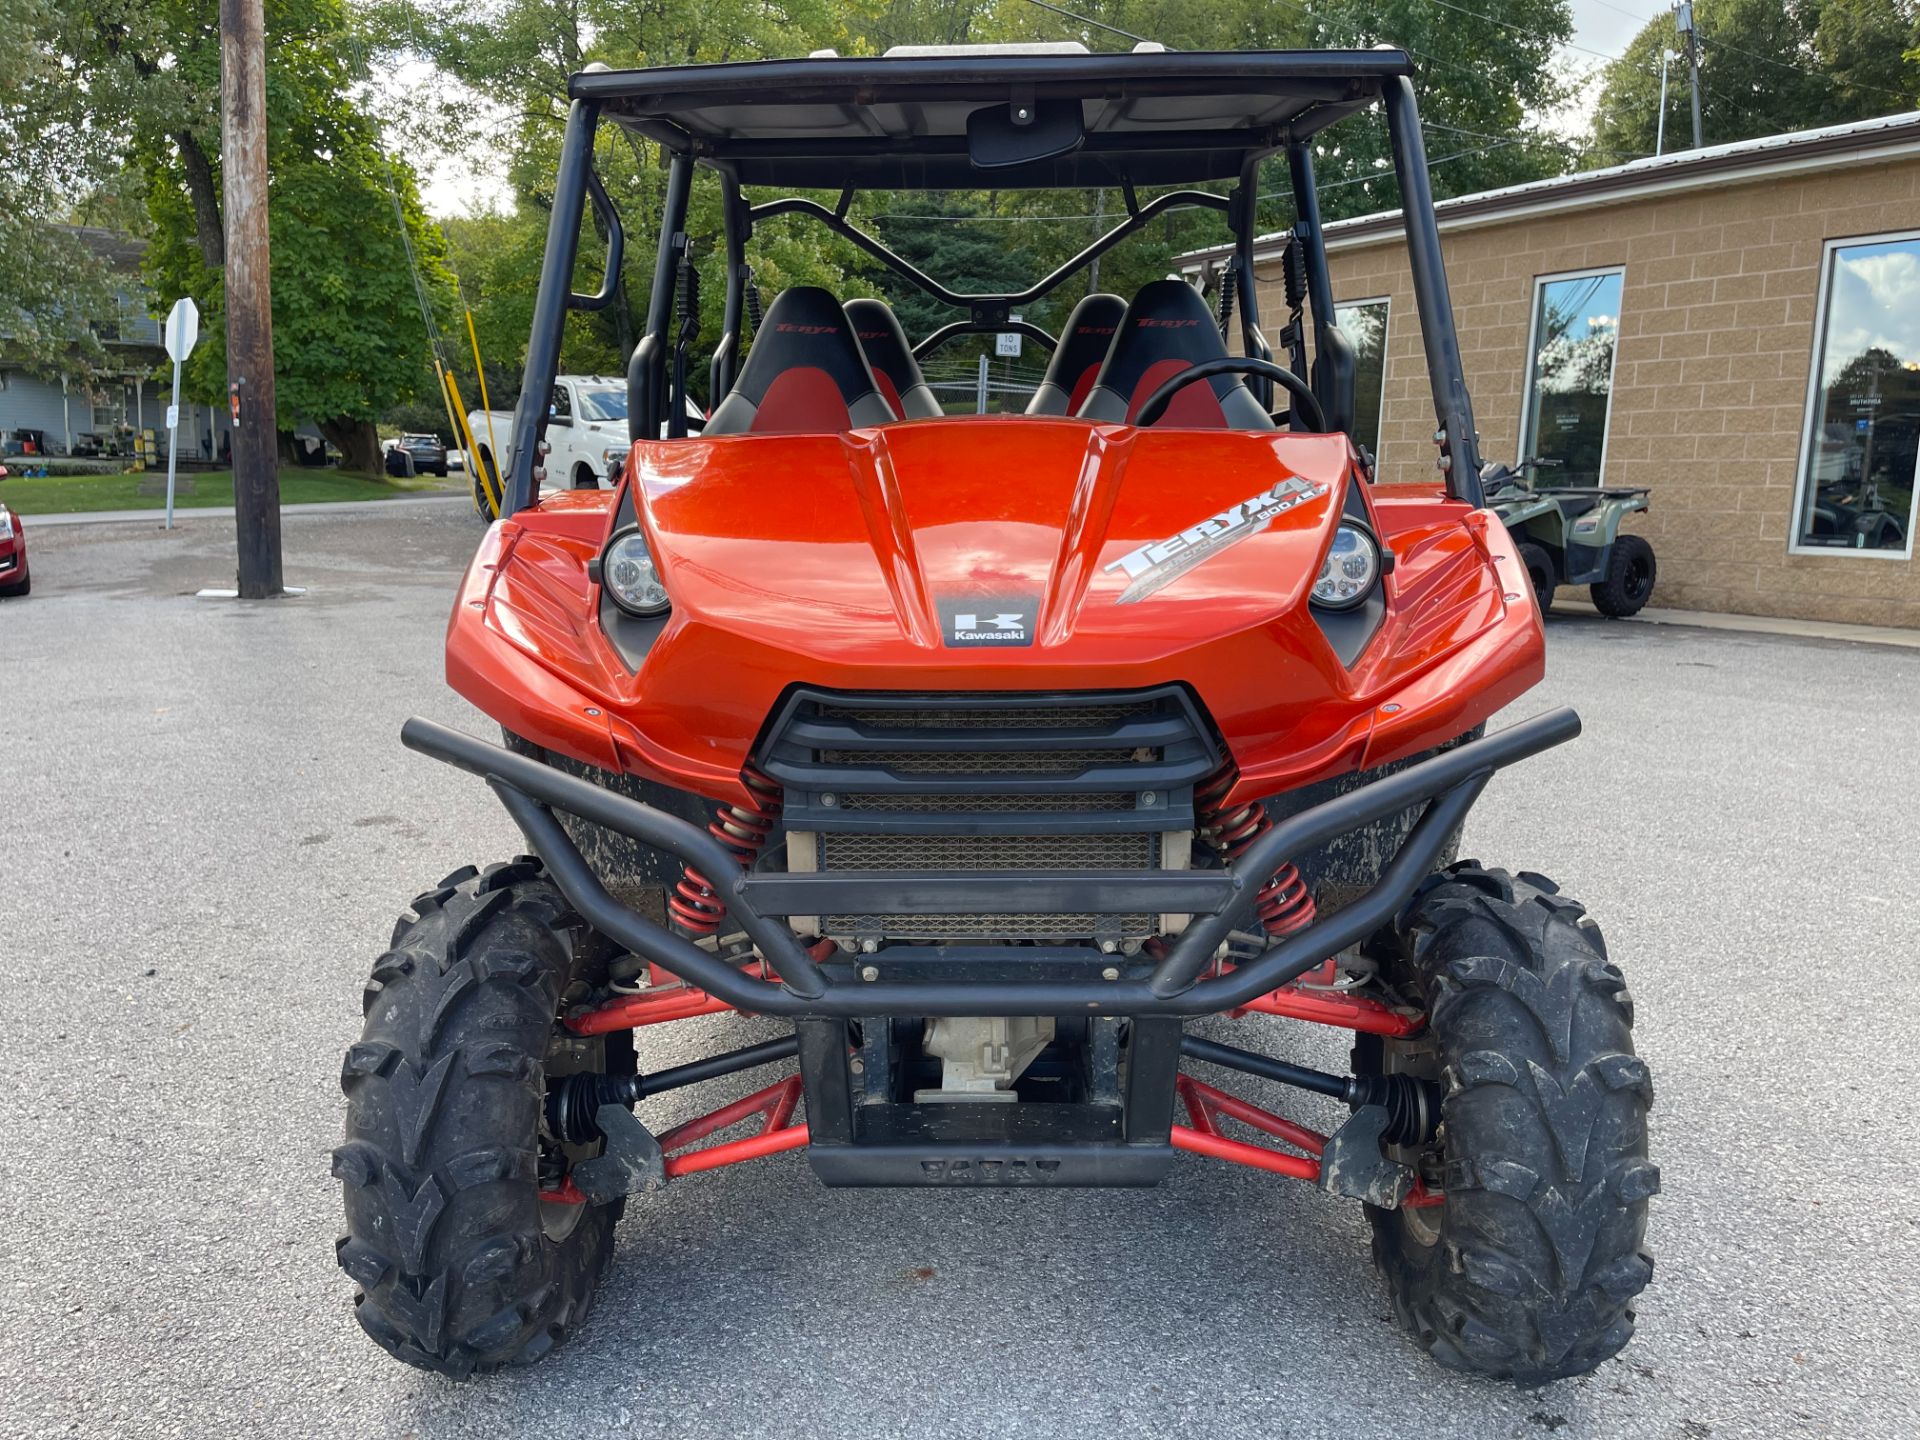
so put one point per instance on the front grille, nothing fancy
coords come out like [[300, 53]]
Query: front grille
[[988, 804], [967, 762], [959, 783], [989, 852], [1049, 926], [1011, 717]]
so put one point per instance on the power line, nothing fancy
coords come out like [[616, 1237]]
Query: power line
[[1517, 29], [1089, 20], [1825, 75], [1543, 139], [1645, 20], [1428, 56]]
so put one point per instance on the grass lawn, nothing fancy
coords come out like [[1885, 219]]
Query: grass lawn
[[66, 494]]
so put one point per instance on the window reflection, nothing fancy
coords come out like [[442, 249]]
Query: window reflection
[[1576, 321], [1857, 481], [1364, 323]]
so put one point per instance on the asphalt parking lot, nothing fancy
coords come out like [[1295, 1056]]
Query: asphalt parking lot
[[207, 827]]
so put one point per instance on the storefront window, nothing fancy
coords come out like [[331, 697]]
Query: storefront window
[[1364, 323], [1863, 405], [1576, 321]]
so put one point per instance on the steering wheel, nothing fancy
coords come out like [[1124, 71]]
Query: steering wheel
[[1303, 397]]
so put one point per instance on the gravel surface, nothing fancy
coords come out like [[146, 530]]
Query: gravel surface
[[209, 825]]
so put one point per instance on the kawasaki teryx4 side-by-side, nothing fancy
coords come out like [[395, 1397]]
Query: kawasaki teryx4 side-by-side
[[990, 751]]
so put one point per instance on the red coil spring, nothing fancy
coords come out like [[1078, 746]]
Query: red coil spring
[[1283, 904], [743, 829]]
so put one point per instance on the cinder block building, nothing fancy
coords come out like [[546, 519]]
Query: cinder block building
[[1737, 328]]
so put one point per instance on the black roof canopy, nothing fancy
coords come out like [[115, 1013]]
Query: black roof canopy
[[900, 121]]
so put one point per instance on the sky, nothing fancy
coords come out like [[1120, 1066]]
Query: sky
[[452, 185]]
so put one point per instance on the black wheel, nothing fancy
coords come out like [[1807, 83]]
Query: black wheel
[[1630, 577], [18, 591], [1528, 1269], [1540, 572], [485, 474], [462, 1266]]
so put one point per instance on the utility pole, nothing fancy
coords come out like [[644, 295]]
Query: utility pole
[[1683, 17], [249, 297], [1667, 57]]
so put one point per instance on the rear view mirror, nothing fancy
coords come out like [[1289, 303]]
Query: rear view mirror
[[1024, 131]]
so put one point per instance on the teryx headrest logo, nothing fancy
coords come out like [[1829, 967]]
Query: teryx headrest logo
[[988, 620], [787, 328], [1150, 322], [1152, 567]]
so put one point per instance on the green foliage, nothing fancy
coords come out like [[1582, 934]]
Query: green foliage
[[1766, 67], [1481, 78], [135, 113], [51, 284]]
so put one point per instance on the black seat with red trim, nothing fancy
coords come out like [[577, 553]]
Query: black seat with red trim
[[1084, 342], [880, 335], [805, 374], [1167, 329]]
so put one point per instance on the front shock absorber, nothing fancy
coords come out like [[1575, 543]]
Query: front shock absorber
[[743, 829], [1283, 905]]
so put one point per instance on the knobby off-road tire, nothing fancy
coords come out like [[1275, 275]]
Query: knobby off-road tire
[[1539, 566], [461, 1266], [1528, 1270], [483, 472], [1630, 576]]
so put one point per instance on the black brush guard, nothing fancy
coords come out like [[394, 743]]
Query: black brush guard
[[965, 981]]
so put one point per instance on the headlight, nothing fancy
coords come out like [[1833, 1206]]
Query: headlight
[[1351, 569], [627, 572], [6, 523]]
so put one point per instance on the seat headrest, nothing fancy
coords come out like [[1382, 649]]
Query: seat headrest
[[1084, 341], [1168, 328], [804, 374], [883, 339]]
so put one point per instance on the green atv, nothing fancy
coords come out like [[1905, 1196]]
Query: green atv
[[1570, 535]]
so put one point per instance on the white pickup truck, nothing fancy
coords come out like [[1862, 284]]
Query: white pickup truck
[[586, 428]]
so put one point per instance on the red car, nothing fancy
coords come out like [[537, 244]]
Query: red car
[[14, 579]]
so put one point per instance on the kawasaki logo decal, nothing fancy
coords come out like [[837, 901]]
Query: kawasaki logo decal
[[989, 620], [1154, 566]]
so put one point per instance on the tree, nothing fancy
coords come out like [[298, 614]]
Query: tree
[[1766, 67], [1481, 76], [139, 84], [51, 283]]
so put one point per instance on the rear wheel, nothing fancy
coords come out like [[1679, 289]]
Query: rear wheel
[[1630, 577], [462, 1265], [485, 474], [1528, 1269], [1539, 573]]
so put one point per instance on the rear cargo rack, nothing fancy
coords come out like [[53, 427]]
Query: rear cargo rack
[[907, 980]]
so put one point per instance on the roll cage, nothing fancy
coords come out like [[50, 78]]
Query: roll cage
[[1039, 118]]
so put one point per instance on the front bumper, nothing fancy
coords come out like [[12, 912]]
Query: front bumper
[[932, 980]]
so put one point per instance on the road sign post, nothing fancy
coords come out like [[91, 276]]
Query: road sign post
[[183, 330]]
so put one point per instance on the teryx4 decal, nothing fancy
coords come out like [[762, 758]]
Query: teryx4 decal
[[1159, 564], [989, 621]]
